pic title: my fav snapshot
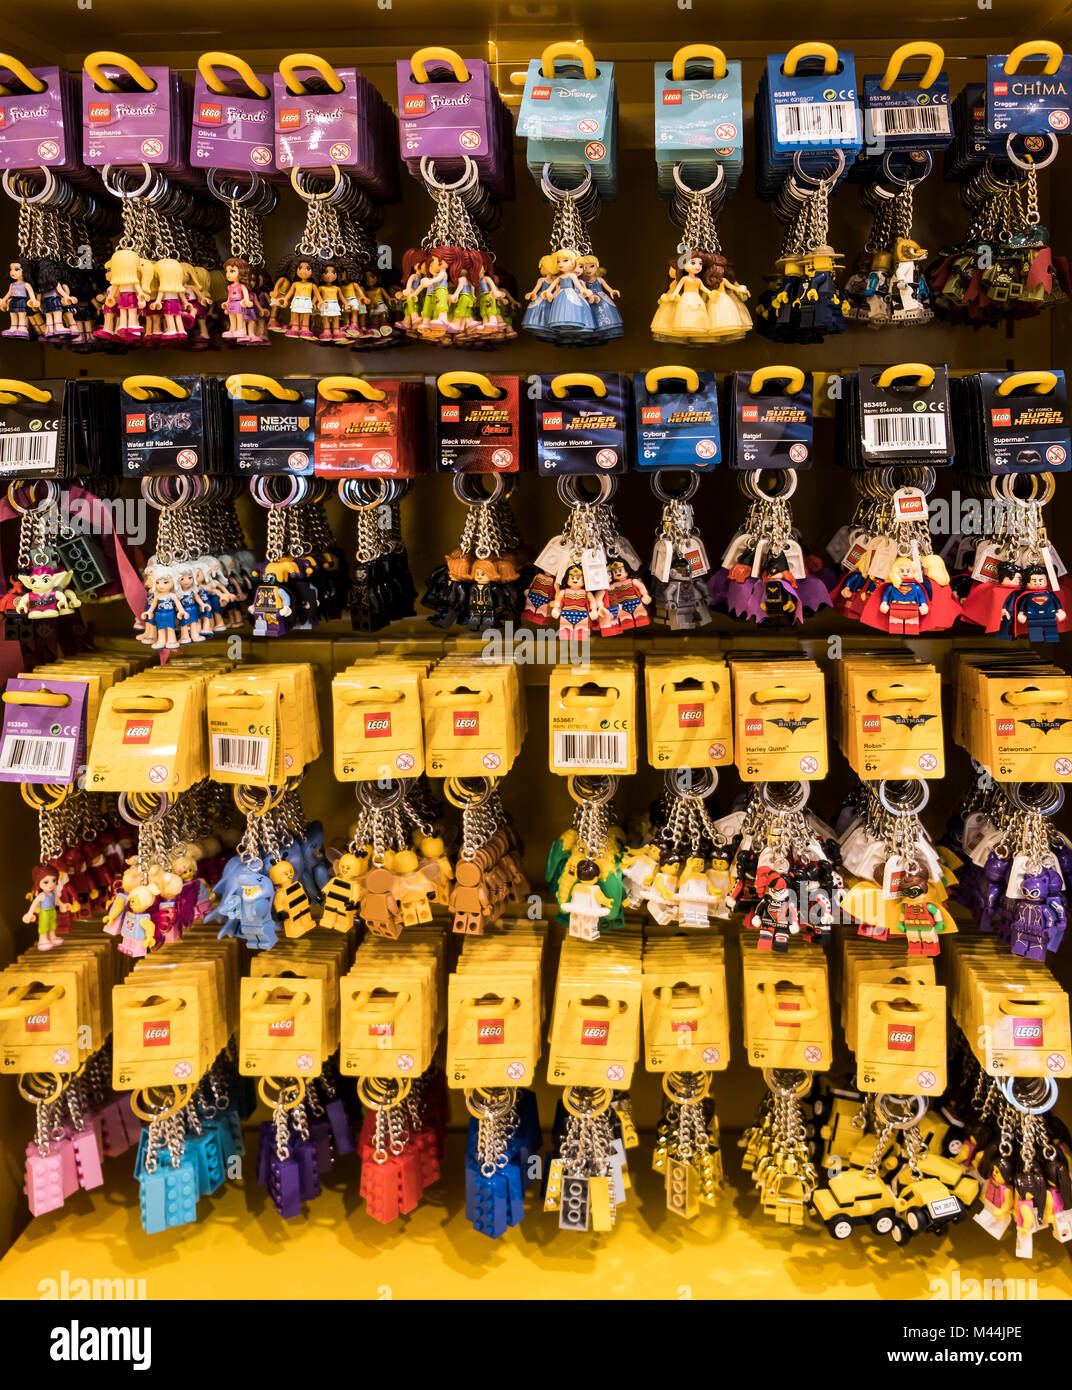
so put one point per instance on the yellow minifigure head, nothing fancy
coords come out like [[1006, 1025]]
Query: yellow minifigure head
[[406, 862], [281, 873]]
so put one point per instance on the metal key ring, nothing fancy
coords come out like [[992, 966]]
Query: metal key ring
[[595, 788], [469, 488], [665, 494], [784, 796], [354, 493], [903, 795], [1044, 798], [52, 492], [255, 801], [688, 781], [900, 1112], [128, 808], [685, 1087], [903, 180], [290, 1091], [585, 1102], [155, 490], [29, 1086], [376, 798], [171, 1100], [1029, 164], [44, 796], [250, 195], [799, 171], [296, 176], [553, 193], [383, 1092], [711, 188], [785, 484], [787, 1082], [462, 791], [263, 486], [489, 1102], [463, 184], [1045, 1100], [569, 491], [48, 187], [139, 192]]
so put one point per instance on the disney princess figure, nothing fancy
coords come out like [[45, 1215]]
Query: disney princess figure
[[170, 300], [727, 319], [301, 298], [570, 317], [238, 306], [20, 299], [164, 611], [688, 300], [607, 319], [329, 295], [539, 299], [663, 318]]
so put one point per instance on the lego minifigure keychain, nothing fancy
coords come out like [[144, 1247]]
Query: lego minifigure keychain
[[899, 884], [804, 302], [779, 1150], [381, 586], [487, 873], [703, 303], [681, 874], [302, 579], [765, 575], [247, 303], [888, 288], [587, 579], [584, 864], [679, 563], [482, 584], [571, 303], [43, 587]]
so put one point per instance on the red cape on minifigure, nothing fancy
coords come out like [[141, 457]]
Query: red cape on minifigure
[[942, 608]]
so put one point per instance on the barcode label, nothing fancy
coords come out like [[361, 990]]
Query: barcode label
[[591, 750], [814, 121], [910, 120], [28, 450], [891, 432], [37, 755], [230, 754]]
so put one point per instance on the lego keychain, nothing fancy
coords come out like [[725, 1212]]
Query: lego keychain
[[785, 870], [687, 1149], [584, 864], [703, 303], [586, 1178], [247, 304], [587, 579], [401, 1143], [43, 586], [381, 588], [482, 584], [504, 1135], [487, 873], [679, 563], [682, 873], [888, 288], [765, 575], [297, 1147], [804, 302], [571, 303], [778, 1150], [900, 884], [302, 579]]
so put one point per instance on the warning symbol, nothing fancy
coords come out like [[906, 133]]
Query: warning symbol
[[717, 750], [616, 1073], [515, 1071], [798, 452], [158, 774], [304, 1062], [152, 148], [588, 126], [502, 458], [491, 761], [297, 460], [809, 764], [705, 448], [260, 154], [404, 762], [61, 1057], [607, 458], [1062, 766], [725, 131], [813, 1054], [186, 458], [709, 1056], [926, 762], [181, 1070], [1058, 120], [1055, 1062], [48, 149], [404, 1061], [1055, 454], [595, 150], [469, 139], [339, 151], [382, 460], [926, 1080]]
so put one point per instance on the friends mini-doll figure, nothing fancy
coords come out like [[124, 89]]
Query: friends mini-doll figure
[[54, 295], [164, 611], [43, 906], [170, 300], [238, 306], [20, 299], [301, 298]]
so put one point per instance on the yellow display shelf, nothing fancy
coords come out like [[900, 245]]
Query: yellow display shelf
[[241, 1249]]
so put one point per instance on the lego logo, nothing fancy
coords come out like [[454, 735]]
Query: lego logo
[[247, 424], [683, 1025], [284, 1028], [1027, 1032], [415, 106], [910, 505], [155, 1034], [595, 1034], [466, 724], [489, 1030], [135, 424], [900, 1039], [332, 424], [1006, 728], [3, 117], [753, 727], [750, 412], [541, 93], [1001, 417], [100, 111], [39, 1023], [289, 120], [690, 716], [136, 732], [552, 422], [450, 412], [872, 723], [1001, 89], [377, 725], [210, 113], [381, 1030], [672, 97], [650, 414]]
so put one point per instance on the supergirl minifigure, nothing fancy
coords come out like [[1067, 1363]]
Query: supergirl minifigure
[[20, 299], [164, 611], [238, 306], [574, 607], [42, 909], [301, 298], [55, 295], [329, 297], [903, 599]]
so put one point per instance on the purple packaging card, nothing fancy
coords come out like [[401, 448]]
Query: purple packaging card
[[31, 127], [128, 127], [439, 120], [44, 743], [236, 133], [316, 129]]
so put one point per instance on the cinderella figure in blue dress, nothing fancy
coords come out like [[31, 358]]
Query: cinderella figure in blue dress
[[607, 319], [535, 317], [570, 319]]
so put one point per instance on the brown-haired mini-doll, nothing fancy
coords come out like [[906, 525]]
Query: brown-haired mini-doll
[[238, 306], [20, 298], [277, 302], [54, 292], [330, 301], [302, 297], [43, 909], [414, 266]]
